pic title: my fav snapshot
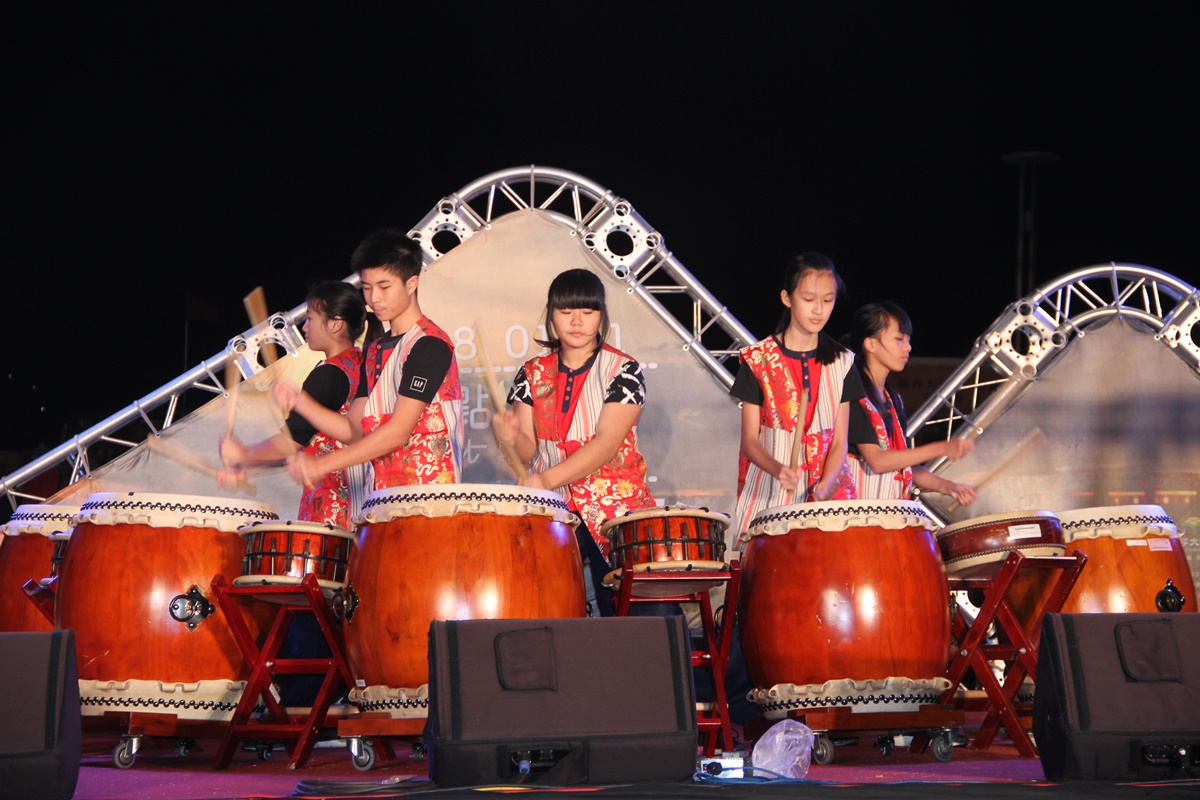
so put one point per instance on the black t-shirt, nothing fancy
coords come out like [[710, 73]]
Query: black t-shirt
[[747, 388], [329, 386], [424, 369]]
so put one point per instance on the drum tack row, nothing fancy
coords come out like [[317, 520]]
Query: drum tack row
[[842, 606]]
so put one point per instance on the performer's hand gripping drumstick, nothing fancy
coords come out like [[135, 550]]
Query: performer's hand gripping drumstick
[[1035, 436], [507, 446], [192, 462]]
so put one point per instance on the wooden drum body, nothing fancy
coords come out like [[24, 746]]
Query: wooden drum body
[[1132, 552], [33, 541], [976, 548], [666, 540], [136, 589], [450, 552], [283, 552], [844, 603]]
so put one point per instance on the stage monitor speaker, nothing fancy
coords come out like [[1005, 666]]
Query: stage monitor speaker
[[1118, 696], [560, 701], [40, 739]]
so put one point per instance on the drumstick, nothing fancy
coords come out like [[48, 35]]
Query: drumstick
[[798, 440], [255, 304], [232, 378], [507, 449], [1034, 436], [188, 460]]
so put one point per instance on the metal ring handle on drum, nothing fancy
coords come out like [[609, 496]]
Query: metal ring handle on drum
[[191, 608]]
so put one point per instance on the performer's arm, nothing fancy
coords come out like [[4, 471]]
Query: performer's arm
[[835, 458], [962, 492], [616, 420], [880, 460], [751, 421]]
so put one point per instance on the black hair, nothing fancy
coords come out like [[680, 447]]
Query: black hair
[[390, 250], [574, 288], [828, 348], [868, 322], [341, 300]]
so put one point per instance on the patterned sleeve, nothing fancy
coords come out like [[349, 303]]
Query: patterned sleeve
[[520, 393], [628, 385]]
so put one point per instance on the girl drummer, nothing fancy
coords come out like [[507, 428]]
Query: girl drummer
[[573, 414], [335, 321], [799, 366], [883, 465]]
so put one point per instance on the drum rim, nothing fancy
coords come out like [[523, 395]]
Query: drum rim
[[1035, 515], [298, 525], [390, 503], [1077, 517], [118, 508], [656, 512], [997, 554], [833, 509], [24, 516]]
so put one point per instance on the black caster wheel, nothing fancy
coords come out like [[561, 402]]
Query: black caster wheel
[[123, 755], [941, 746], [418, 752], [366, 758], [885, 745], [822, 752]]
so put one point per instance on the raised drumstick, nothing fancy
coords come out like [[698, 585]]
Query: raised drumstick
[[190, 461], [1035, 436], [255, 304], [507, 449], [233, 378]]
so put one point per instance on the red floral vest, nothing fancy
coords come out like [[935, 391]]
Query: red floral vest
[[617, 487], [433, 453], [870, 485], [328, 500]]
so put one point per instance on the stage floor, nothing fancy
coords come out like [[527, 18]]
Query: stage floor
[[858, 771]]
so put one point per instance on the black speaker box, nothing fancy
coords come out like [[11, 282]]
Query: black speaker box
[[40, 738], [560, 701], [1118, 696]]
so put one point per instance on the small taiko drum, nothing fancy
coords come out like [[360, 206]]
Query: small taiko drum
[[136, 589], [976, 548], [33, 541], [844, 603], [666, 540], [282, 553], [450, 552], [1132, 552]]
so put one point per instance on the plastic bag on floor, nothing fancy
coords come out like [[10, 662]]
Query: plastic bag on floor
[[785, 749]]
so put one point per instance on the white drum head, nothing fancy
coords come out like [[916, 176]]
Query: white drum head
[[840, 515], [43, 519], [449, 499], [1117, 522], [720, 521], [172, 511]]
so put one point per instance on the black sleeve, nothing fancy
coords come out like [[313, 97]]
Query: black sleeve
[[362, 374], [745, 386], [519, 392], [627, 386], [852, 387], [425, 369], [329, 386], [861, 430]]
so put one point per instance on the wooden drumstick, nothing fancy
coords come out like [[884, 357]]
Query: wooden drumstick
[[188, 460], [507, 449], [798, 439], [233, 378], [1035, 436], [255, 304]]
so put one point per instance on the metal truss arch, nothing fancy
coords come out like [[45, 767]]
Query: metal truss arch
[[1031, 333]]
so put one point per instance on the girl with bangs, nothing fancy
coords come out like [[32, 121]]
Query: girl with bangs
[[573, 416]]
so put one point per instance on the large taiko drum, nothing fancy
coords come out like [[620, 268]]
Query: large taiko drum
[[136, 589], [976, 548], [844, 603], [450, 552], [283, 552], [33, 541], [666, 540], [1132, 552]]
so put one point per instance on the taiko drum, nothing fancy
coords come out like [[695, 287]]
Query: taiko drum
[[134, 559], [976, 548], [282, 552], [1132, 552], [33, 539], [452, 552], [843, 590]]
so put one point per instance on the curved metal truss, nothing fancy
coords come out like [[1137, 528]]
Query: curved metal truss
[[607, 224], [610, 227], [1033, 332]]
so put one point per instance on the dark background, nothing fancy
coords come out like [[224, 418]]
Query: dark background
[[160, 163]]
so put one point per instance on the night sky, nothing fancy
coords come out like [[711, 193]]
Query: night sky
[[174, 154]]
